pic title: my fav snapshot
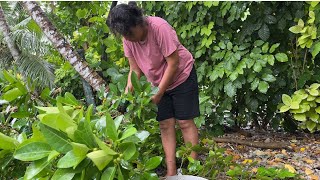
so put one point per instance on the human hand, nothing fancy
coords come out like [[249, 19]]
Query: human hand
[[156, 98]]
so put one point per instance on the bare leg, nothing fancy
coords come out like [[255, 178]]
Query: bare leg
[[190, 133], [168, 137]]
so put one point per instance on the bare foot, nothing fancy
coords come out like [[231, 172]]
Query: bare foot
[[171, 168]]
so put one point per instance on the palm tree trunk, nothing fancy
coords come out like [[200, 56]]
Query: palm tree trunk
[[86, 86], [4, 27], [63, 46]]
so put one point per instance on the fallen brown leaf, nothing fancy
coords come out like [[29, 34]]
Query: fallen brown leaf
[[314, 177], [308, 171], [290, 168]]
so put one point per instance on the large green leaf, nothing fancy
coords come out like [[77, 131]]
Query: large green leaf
[[135, 82], [120, 175], [49, 120], [32, 151], [300, 117], [281, 57], [230, 89], [73, 157], [313, 116], [53, 154], [258, 43], [7, 142], [315, 49], [264, 32], [265, 47], [142, 135], [52, 110], [152, 163], [65, 122], [311, 125], [81, 13], [311, 98], [89, 113], [84, 134], [286, 99], [71, 99], [111, 128], [284, 108], [274, 47], [257, 67], [118, 121], [294, 105], [263, 87], [295, 29], [63, 174], [314, 92], [8, 76], [56, 139], [128, 132], [109, 173], [255, 84], [36, 167], [315, 86], [128, 149], [104, 147], [268, 77], [12, 94], [100, 158]]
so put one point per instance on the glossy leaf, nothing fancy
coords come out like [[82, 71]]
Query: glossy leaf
[[111, 128], [36, 167], [100, 158], [109, 173], [32, 151], [84, 134], [152, 163], [63, 174], [56, 139], [7, 142]]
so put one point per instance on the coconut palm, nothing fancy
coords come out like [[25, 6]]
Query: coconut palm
[[63, 46], [23, 45]]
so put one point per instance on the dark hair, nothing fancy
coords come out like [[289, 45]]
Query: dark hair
[[124, 16]]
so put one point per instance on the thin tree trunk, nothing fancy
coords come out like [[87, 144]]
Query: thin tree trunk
[[4, 27], [63, 46], [86, 86]]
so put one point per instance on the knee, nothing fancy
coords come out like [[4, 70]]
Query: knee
[[167, 124], [186, 124]]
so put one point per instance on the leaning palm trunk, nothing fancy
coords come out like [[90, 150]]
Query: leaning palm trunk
[[63, 46], [4, 27]]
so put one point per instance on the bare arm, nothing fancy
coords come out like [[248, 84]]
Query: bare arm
[[173, 63], [133, 67]]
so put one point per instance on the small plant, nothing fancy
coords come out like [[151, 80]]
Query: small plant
[[307, 30], [304, 104], [72, 142], [215, 163], [262, 173]]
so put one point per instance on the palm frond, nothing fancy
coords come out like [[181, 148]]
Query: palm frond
[[5, 5], [6, 59], [29, 41], [39, 70]]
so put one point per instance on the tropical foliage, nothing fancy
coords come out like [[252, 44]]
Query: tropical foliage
[[257, 65]]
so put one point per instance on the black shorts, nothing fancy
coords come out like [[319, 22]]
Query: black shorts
[[182, 102]]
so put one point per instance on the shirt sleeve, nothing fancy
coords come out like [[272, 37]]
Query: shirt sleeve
[[167, 39], [126, 49]]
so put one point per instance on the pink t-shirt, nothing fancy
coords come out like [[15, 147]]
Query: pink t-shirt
[[150, 55]]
